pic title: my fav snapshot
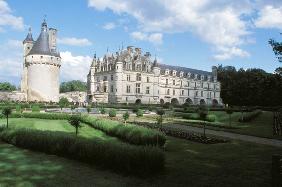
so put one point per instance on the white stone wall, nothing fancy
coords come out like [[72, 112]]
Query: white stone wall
[[13, 96], [76, 96]]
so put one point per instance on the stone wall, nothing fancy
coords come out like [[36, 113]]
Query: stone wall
[[13, 96], [76, 97]]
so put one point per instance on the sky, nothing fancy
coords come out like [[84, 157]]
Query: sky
[[195, 34]]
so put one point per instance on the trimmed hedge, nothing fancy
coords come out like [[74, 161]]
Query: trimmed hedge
[[51, 116], [195, 116], [129, 133], [249, 116], [116, 156]]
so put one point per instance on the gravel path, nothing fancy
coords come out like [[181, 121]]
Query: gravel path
[[247, 138]]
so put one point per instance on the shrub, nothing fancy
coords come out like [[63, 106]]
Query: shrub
[[74, 121], [102, 110], [18, 108], [167, 105], [139, 113], [211, 118], [195, 116], [88, 109], [249, 116], [35, 108], [130, 133], [51, 116], [107, 154], [135, 109], [125, 116], [112, 112]]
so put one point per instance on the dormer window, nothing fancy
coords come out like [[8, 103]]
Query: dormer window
[[41, 56], [189, 75], [173, 72], [166, 71], [181, 74], [202, 77]]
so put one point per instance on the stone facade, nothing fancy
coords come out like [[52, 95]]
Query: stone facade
[[130, 76], [75, 97], [41, 66], [16, 96]]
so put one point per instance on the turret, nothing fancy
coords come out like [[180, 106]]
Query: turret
[[28, 42], [156, 68], [53, 40]]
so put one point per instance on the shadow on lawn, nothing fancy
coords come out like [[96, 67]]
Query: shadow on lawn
[[18, 169]]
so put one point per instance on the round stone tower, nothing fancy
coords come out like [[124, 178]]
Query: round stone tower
[[42, 62]]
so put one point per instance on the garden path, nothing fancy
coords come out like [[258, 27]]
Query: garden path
[[247, 138]]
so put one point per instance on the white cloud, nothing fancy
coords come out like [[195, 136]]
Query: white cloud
[[74, 67], [74, 41], [229, 53], [109, 26], [155, 38], [218, 23], [270, 17], [8, 19]]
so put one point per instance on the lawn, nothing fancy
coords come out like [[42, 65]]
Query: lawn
[[56, 125], [187, 164]]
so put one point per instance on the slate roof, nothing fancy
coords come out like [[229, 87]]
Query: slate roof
[[184, 69], [28, 37]]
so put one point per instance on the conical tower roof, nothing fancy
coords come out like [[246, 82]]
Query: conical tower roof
[[28, 37]]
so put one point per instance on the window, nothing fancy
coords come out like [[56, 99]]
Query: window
[[196, 93], [214, 94], [167, 92], [112, 88], [202, 93], [214, 86], [188, 84], [98, 79], [138, 77], [147, 90], [128, 77], [188, 92], [181, 83], [182, 92], [41, 56], [98, 88], [208, 86], [173, 92], [202, 85], [195, 84], [105, 78], [148, 79], [138, 88], [173, 82], [105, 88], [127, 89], [166, 81], [112, 77]]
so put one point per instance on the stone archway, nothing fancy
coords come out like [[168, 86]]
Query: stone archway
[[214, 102], [174, 101], [202, 102], [188, 101], [138, 101], [161, 102]]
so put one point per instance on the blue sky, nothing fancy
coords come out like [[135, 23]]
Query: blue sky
[[195, 34]]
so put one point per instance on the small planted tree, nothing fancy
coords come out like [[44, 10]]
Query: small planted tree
[[160, 112], [139, 113], [203, 112], [112, 113], [74, 121], [63, 102], [72, 108], [229, 111], [102, 110], [6, 112], [125, 116], [88, 108]]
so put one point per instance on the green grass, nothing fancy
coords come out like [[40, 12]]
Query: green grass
[[56, 125], [187, 163]]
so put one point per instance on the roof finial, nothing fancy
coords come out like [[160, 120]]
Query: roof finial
[[107, 49], [29, 30], [95, 54]]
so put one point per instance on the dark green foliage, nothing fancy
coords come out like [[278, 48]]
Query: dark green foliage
[[112, 112], [160, 112], [125, 116], [251, 87], [167, 105], [107, 154], [74, 85], [195, 116], [202, 112], [135, 109], [6, 112], [129, 133], [6, 86], [35, 108], [249, 116], [51, 116], [88, 108], [63, 102], [139, 113], [74, 121], [102, 110], [18, 108]]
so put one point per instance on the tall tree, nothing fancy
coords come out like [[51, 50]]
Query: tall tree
[[74, 85]]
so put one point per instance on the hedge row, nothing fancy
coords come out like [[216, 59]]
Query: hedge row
[[249, 116], [112, 155], [129, 133], [195, 116], [50, 116]]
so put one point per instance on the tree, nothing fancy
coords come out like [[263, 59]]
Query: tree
[[63, 102], [74, 121], [88, 108], [72, 108], [160, 112], [278, 71], [74, 85], [229, 111], [6, 86], [6, 112], [203, 112], [125, 116]]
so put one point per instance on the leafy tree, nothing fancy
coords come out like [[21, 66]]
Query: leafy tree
[[160, 112], [112, 113], [88, 108], [72, 108], [139, 113], [6, 112], [74, 121], [203, 112], [74, 85], [229, 111], [63, 102], [6, 86], [125, 116], [278, 71], [102, 110]]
